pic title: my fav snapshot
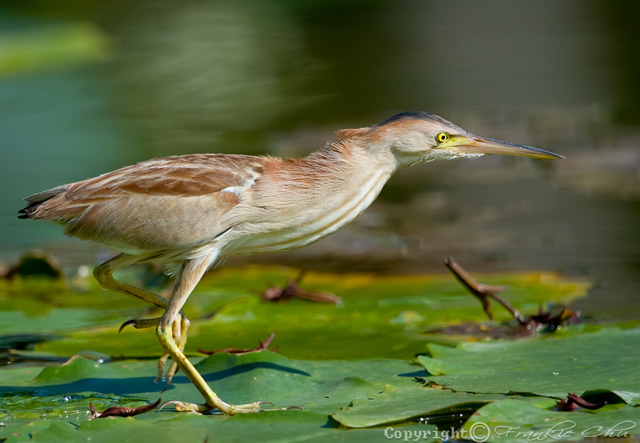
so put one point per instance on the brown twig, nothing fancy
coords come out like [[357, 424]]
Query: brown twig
[[119, 411], [486, 292], [291, 290], [261, 347], [574, 401], [482, 292]]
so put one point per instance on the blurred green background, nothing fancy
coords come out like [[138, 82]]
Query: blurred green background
[[87, 87]]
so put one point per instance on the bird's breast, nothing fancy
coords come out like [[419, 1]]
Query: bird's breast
[[308, 217]]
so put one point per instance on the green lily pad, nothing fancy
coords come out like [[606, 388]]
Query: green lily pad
[[518, 421], [330, 358], [299, 426], [40, 305], [62, 393], [379, 317], [554, 366], [401, 403]]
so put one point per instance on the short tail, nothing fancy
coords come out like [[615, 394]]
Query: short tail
[[35, 200]]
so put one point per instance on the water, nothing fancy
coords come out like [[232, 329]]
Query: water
[[105, 86]]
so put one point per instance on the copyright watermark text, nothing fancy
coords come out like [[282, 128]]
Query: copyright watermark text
[[481, 432]]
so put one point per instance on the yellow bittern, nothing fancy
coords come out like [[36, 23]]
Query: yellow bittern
[[193, 210]]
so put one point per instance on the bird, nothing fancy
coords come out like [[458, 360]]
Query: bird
[[194, 210]]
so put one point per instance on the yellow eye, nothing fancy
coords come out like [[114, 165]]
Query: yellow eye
[[442, 137]]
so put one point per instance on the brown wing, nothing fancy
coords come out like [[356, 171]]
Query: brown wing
[[154, 204], [184, 176]]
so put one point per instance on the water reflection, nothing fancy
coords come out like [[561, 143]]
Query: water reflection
[[209, 76], [279, 77]]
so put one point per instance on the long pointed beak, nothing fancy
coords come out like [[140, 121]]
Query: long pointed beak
[[473, 144]]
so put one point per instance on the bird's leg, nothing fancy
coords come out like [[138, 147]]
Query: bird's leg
[[104, 275], [188, 276]]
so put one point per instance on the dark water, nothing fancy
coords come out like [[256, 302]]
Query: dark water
[[87, 88]]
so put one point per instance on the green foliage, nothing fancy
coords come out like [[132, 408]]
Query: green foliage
[[393, 317], [54, 47], [517, 421], [349, 366], [553, 367], [61, 393], [402, 403]]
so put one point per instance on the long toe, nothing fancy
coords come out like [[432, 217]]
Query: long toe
[[251, 407], [248, 408], [180, 338], [182, 406], [162, 361], [173, 369]]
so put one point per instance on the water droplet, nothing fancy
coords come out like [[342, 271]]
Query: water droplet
[[96, 356]]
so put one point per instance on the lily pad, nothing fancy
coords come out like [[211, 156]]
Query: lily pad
[[62, 393], [299, 426], [331, 358], [517, 421], [554, 366], [380, 316], [401, 403]]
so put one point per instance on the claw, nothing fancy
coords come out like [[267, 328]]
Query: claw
[[125, 324], [140, 323]]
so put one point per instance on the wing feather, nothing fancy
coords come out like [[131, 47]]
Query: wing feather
[[155, 204], [184, 176]]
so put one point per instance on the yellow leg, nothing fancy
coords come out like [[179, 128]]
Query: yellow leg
[[104, 276], [188, 276], [183, 322]]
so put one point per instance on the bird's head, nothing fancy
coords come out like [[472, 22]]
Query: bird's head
[[414, 137]]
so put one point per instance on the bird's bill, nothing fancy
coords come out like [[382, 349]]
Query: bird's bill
[[473, 144]]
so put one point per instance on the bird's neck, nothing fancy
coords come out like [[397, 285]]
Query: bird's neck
[[344, 174], [374, 148], [354, 152]]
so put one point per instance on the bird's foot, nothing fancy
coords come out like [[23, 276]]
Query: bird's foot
[[230, 409], [212, 401], [180, 328]]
